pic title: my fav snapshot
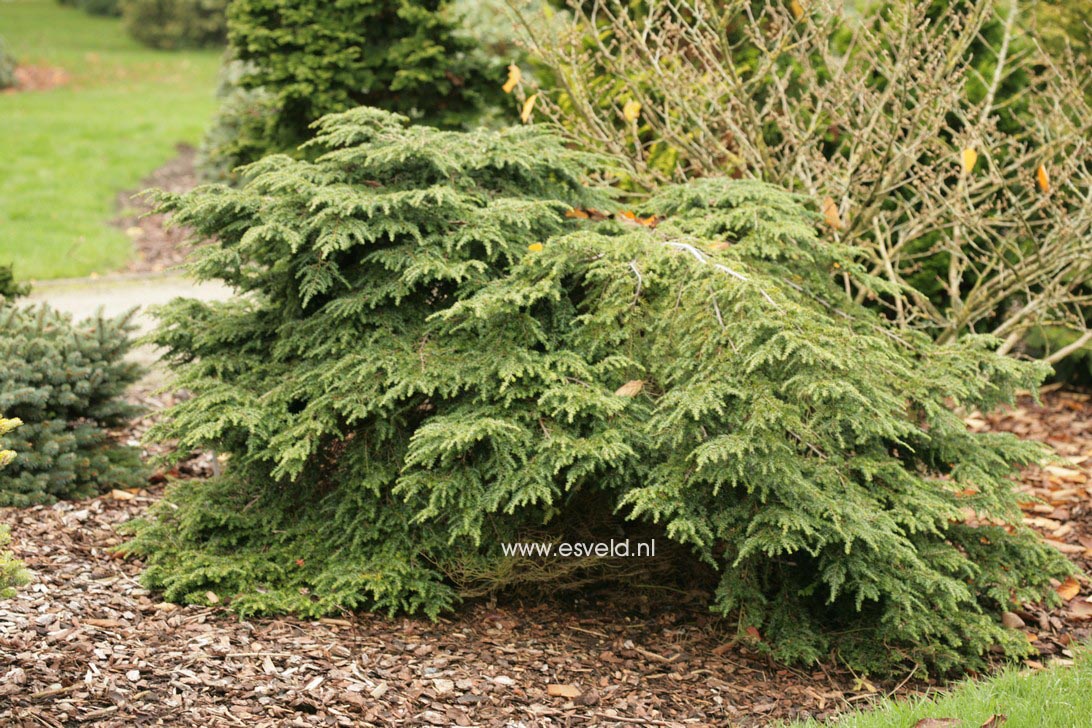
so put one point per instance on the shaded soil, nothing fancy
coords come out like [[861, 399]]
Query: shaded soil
[[86, 644], [37, 78], [159, 246]]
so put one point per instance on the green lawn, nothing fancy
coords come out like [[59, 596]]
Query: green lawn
[[1057, 697], [66, 153]]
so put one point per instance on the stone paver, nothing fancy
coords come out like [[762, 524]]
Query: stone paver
[[116, 294]]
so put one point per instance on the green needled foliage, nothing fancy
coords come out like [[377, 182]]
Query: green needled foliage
[[64, 380], [430, 359], [312, 58]]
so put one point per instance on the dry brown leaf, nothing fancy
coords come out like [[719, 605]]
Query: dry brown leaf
[[1080, 609], [631, 388], [995, 720], [1069, 589], [562, 691], [938, 723], [121, 495], [830, 213], [1012, 621]]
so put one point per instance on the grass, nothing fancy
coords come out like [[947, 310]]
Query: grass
[[68, 151], [1056, 697]]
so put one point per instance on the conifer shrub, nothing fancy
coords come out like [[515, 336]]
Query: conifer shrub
[[109, 8], [9, 288], [242, 114], [7, 66], [12, 573], [433, 354], [170, 24], [312, 58], [64, 380]]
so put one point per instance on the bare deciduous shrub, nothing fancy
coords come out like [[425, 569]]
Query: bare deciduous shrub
[[944, 144]]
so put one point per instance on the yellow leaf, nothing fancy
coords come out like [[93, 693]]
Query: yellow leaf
[[631, 111], [514, 77], [970, 158], [1044, 178], [631, 388], [528, 108], [830, 213], [535, 247], [797, 9]]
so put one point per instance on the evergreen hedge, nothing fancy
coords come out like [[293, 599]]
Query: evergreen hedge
[[64, 380], [171, 24], [311, 58], [432, 354]]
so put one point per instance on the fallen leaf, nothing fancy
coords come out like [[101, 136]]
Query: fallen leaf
[[562, 691], [995, 720], [797, 9], [212, 597], [830, 213], [1012, 621], [1080, 609], [514, 77], [121, 495], [753, 633], [631, 388], [938, 723], [631, 111], [631, 216], [1069, 589]]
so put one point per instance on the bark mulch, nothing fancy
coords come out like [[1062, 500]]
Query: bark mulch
[[85, 644], [37, 78]]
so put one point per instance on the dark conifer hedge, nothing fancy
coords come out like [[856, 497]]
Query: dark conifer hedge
[[307, 59], [432, 354]]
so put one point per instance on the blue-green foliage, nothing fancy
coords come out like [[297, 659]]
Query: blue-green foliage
[[64, 380], [407, 381]]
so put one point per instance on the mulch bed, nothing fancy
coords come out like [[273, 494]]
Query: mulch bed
[[159, 245], [37, 78], [86, 644]]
